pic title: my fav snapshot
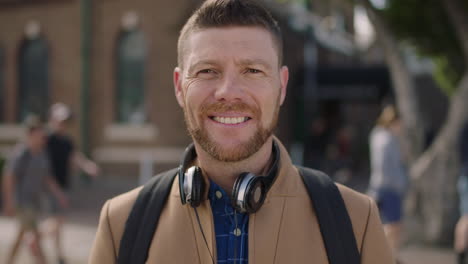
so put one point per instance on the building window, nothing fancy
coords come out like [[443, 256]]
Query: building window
[[130, 72], [33, 66]]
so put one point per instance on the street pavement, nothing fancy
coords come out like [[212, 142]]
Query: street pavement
[[427, 255], [87, 199]]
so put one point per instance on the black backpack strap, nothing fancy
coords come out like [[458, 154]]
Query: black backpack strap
[[143, 219], [335, 224]]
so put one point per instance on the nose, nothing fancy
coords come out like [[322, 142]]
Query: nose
[[230, 88]]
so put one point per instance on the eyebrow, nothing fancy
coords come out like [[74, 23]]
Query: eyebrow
[[191, 68], [256, 61]]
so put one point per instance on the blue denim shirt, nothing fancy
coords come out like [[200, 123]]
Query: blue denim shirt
[[231, 228]]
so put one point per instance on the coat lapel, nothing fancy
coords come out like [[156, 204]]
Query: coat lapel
[[264, 228], [266, 224], [206, 250]]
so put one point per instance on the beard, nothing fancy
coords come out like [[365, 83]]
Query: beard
[[241, 151]]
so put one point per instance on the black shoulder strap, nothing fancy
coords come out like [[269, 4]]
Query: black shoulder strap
[[143, 219], [335, 224], [334, 221]]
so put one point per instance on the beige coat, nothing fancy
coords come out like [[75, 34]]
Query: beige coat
[[285, 230]]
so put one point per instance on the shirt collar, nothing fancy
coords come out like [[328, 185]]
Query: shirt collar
[[217, 194]]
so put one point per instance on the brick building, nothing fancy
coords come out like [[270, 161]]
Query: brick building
[[122, 93], [129, 112], [43, 62]]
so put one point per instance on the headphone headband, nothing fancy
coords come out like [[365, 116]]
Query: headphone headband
[[273, 171], [189, 155], [186, 185]]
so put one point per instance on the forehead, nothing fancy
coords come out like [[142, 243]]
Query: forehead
[[243, 43]]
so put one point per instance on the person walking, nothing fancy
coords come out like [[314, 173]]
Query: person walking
[[26, 171], [63, 158]]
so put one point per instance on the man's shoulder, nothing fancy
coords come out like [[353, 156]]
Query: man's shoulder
[[354, 199], [360, 208], [122, 204], [381, 136], [18, 153], [20, 149]]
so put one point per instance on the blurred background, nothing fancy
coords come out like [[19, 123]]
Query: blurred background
[[111, 61]]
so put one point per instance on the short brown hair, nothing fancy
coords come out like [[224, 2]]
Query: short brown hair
[[225, 13], [33, 123], [388, 116]]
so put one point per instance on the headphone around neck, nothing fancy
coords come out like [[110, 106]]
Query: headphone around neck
[[249, 190]]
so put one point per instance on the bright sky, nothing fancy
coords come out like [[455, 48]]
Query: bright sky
[[365, 34], [379, 3]]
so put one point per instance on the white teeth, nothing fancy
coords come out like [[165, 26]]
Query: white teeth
[[230, 120]]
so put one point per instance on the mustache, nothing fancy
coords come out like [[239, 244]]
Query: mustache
[[229, 107]]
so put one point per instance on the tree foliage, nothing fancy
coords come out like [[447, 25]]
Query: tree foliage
[[425, 25]]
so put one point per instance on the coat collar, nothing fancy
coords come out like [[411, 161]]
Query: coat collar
[[264, 226]]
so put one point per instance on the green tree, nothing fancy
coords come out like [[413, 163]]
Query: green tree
[[426, 25], [438, 29]]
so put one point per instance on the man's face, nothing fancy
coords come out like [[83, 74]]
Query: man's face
[[37, 138], [231, 88]]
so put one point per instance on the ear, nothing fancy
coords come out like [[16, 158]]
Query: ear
[[284, 77], [179, 93]]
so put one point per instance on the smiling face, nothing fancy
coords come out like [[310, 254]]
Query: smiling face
[[230, 87]]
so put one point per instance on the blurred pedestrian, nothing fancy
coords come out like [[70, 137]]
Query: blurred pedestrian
[[461, 229], [63, 156], [389, 179], [25, 174]]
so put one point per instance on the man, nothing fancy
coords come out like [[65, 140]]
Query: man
[[63, 156], [25, 173], [230, 84]]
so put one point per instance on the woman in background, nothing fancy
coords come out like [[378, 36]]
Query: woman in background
[[389, 180]]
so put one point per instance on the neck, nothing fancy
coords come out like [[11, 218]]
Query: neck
[[225, 174], [55, 128], [34, 149]]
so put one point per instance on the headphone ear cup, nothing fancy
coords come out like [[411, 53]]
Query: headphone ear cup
[[197, 187], [238, 205], [255, 195], [249, 193]]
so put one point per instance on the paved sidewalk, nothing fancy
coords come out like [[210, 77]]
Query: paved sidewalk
[[77, 243], [82, 219], [427, 255]]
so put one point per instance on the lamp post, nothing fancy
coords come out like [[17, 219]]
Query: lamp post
[[85, 76], [306, 102]]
